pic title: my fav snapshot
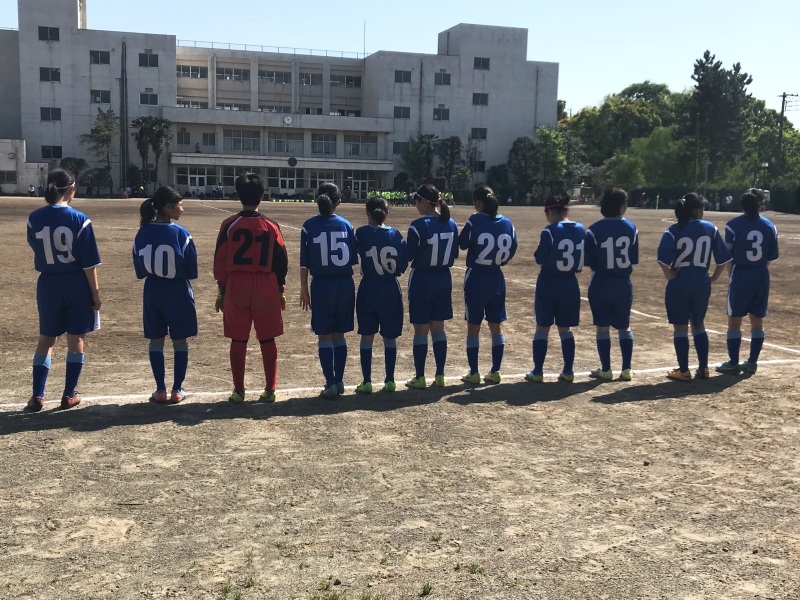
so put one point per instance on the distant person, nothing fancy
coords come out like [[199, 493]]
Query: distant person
[[510, 200], [728, 203], [31, 191]]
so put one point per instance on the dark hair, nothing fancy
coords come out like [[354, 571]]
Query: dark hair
[[328, 198], [250, 189], [751, 202], [378, 209], [687, 206], [559, 204], [58, 182], [612, 202], [148, 211], [483, 193], [430, 194]]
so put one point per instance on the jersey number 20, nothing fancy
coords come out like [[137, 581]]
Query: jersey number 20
[[701, 249]]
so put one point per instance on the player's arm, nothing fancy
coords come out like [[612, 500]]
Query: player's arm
[[412, 243], [402, 256], [280, 264], [667, 253], [633, 254], [466, 235], [190, 258], [590, 252], [88, 256], [351, 241], [305, 262], [722, 255], [221, 266], [545, 245], [514, 245]]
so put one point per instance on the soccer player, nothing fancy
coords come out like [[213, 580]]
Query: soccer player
[[432, 244], [684, 255], [753, 242], [67, 294], [379, 302], [491, 242], [250, 266], [328, 252], [165, 257], [557, 298], [612, 248]]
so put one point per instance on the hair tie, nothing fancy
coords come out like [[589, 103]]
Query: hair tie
[[550, 206]]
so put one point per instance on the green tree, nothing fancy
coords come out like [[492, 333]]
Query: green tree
[[523, 163], [472, 154], [417, 161], [101, 140], [552, 159], [462, 182], [497, 178], [160, 139], [143, 127], [448, 151], [75, 165], [561, 110]]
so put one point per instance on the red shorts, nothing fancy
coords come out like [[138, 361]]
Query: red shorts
[[252, 298]]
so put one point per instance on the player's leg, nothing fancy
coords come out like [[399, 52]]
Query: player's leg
[[419, 310], [544, 310], [390, 361], [680, 340], [603, 341], [368, 324], [365, 352], [439, 342], [322, 313], [268, 322], [678, 314], [701, 347], [601, 317], [626, 349], [621, 321], [155, 354], [41, 369], [269, 359], [75, 358], [339, 360], [734, 344], [540, 342], [441, 311], [567, 316], [343, 323], [498, 350], [420, 351], [567, 352], [495, 313], [473, 349], [474, 305], [180, 352], [757, 335], [391, 328]]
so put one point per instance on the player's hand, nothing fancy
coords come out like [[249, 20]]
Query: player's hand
[[219, 305], [283, 301], [305, 300], [96, 301]]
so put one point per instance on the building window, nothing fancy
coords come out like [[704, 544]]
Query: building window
[[50, 114], [191, 72], [49, 34], [49, 74], [184, 138], [350, 81], [311, 78], [99, 57], [241, 140], [361, 145], [147, 59], [275, 109], [191, 104], [200, 176], [230, 74], [479, 166], [148, 99], [402, 76], [101, 96], [209, 139], [481, 64], [480, 99], [402, 112], [284, 142], [8, 177], [277, 77], [478, 133], [344, 112], [441, 114], [233, 106], [441, 78], [399, 147], [51, 152], [323, 143], [311, 110], [285, 179], [317, 178]]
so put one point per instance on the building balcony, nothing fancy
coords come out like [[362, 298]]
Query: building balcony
[[315, 161]]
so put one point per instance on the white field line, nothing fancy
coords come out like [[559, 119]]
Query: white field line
[[231, 212], [124, 399]]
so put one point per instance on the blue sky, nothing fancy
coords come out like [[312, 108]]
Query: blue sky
[[601, 46]]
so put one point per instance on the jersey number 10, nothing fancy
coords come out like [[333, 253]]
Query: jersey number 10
[[160, 263]]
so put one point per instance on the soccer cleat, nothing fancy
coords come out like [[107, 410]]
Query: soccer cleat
[[679, 375], [417, 383], [626, 375], [177, 396], [236, 397], [493, 377], [729, 368], [703, 373], [439, 381], [568, 377], [365, 387], [70, 401], [472, 378], [35, 404], [534, 377], [749, 367], [389, 386], [340, 387], [268, 396], [330, 392], [602, 375], [159, 397]]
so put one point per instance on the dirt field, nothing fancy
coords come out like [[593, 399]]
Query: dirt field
[[648, 489]]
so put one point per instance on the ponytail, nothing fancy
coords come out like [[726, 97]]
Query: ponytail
[[377, 209], [430, 194], [485, 194], [58, 182], [687, 206], [148, 211], [328, 198]]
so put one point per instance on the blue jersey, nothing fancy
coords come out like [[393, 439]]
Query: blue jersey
[[491, 242], [432, 243], [752, 242], [382, 251], [328, 247], [688, 248], [612, 247], [165, 251], [62, 239], [561, 248]]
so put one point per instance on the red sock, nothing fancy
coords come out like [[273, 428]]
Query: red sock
[[269, 354], [238, 356]]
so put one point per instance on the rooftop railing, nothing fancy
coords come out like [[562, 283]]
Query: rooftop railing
[[273, 49]]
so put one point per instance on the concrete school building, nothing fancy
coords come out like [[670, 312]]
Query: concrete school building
[[297, 117]]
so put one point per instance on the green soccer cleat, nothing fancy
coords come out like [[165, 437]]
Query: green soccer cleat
[[472, 378], [567, 377], [236, 397], [602, 375], [749, 367], [340, 387], [493, 377], [729, 368], [626, 375], [268, 396], [330, 392], [364, 387], [534, 377], [440, 381], [417, 383], [389, 386]]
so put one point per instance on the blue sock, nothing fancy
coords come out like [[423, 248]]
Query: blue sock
[[680, 340], [73, 374], [734, 345], [339, 359], [366, 360], [567, 350], [498, 349], [157, 364], [181, 364], [604, 349], [756, 343], [439, 340], [420, 354], [473, 347], [325, 351], [390, 357], [539, 352], [626, 348], [41, 369], [701, 346]]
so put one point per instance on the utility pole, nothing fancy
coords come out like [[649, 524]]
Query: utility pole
[[785, 102]]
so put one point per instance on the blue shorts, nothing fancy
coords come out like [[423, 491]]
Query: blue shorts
[[687, 300], [379, 307], [748, 292], [484, 296], [557, 300], [168, 306], [610, 299], [430, 296], [64, 301], [332, 303]]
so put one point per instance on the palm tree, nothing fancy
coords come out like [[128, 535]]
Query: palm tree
[[160, 138], [141, 136]]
